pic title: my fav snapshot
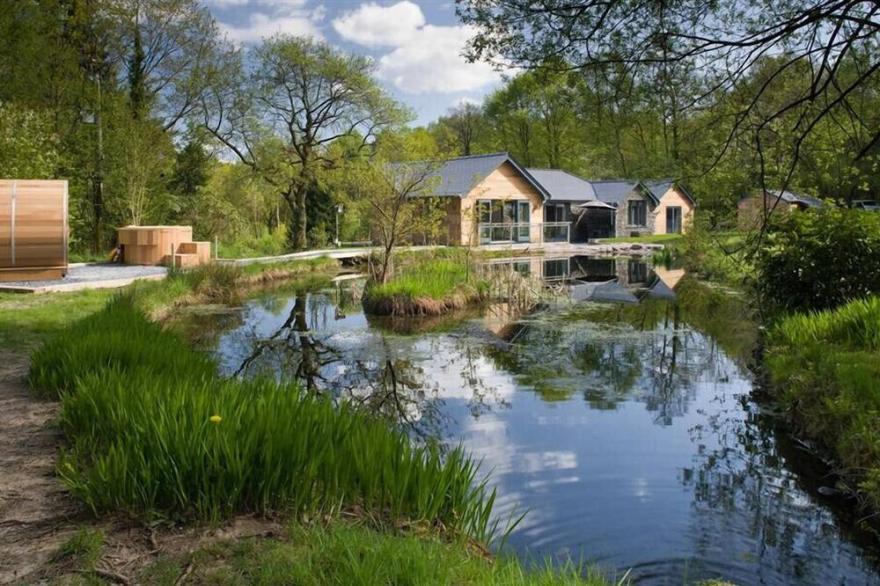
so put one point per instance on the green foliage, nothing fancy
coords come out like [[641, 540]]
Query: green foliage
[[154, 430], [819, 259], [715, 256], [343, 553], [29, 146], [826, 365]]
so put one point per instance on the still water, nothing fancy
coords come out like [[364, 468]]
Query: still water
[[620, 418]]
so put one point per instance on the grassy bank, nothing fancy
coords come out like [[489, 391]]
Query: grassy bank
[[423, 285], [28, 320], [343, 553], [825, 366], [153, 431]]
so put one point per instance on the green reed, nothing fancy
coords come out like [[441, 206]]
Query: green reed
[[153, 430]]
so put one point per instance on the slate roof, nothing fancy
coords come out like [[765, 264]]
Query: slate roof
[[457, 177], [660, 187], [615, 191], [563, 186], [792, 197]]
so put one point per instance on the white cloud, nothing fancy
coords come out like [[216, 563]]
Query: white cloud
[[424, 58], [262, 25], [278, 4], [433, 63], [372, 25]]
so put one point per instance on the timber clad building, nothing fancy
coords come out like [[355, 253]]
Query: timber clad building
[[492, 199]]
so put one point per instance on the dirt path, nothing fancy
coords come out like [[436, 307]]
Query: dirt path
[[36, 514]]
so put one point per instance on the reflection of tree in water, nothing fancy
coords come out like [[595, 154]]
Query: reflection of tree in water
[[310, 354], [742, 463], [611, 354], [381, 376]]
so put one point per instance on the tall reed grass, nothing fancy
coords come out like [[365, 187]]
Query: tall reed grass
[[153, 430]]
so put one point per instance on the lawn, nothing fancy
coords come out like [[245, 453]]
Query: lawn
[[27, 320], [650, 239]]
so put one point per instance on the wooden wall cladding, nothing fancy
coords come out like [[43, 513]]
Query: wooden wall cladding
[[33, 228]]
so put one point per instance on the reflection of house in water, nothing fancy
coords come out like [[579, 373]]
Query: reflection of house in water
[[622, 280]]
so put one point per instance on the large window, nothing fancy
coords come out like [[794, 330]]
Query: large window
[[509, 220], [637, 213], [555, 212]]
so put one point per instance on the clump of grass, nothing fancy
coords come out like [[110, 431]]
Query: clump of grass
[[120, 338], [344, 553], [82, 549], [429, 286], [153, 430], [826, 365]]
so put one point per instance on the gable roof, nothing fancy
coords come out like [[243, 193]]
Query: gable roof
[[457, 177], [615, 191], [564, 186], [661, 186]]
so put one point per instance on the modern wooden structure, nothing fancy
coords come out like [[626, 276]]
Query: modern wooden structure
[[492, 199], [162, 245], [33, 229]]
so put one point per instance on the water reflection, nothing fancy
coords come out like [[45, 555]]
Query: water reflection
[[626, 430]]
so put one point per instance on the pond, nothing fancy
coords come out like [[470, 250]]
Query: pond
[[625, 429]]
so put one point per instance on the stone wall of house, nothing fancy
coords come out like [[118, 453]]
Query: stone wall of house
[[622, 227]]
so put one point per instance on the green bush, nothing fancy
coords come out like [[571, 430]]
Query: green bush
[[268, 243], [819, 259], [153, 430]]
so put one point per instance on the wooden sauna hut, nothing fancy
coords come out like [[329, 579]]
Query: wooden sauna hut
[[33, 229], [162, 245]]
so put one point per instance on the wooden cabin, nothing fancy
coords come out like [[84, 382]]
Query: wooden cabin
[[33, 229]]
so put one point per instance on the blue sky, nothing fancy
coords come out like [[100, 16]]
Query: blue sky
[[416, 44]]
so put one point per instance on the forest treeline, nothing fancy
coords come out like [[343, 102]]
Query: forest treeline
[[154, 117]]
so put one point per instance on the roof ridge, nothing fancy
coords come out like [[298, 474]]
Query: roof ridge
[[480, 156]]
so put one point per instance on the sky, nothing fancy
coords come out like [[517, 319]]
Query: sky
[[416, 44]]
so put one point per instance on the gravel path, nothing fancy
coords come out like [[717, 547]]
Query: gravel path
[[91, 276]]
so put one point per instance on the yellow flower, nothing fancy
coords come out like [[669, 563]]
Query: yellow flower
[[215, 419]]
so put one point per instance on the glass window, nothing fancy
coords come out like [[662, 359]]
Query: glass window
[[485, 210], [637, 213]]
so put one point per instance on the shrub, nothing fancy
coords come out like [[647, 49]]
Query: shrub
[[819, 259], [153, 429], [267, 243]]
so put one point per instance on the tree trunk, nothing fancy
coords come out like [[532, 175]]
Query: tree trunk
[[298, 227]]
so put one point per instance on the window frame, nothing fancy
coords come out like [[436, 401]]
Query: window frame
[[637, 213]]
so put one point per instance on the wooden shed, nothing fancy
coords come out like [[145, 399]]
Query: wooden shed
[[162, 245], [33, 229]]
